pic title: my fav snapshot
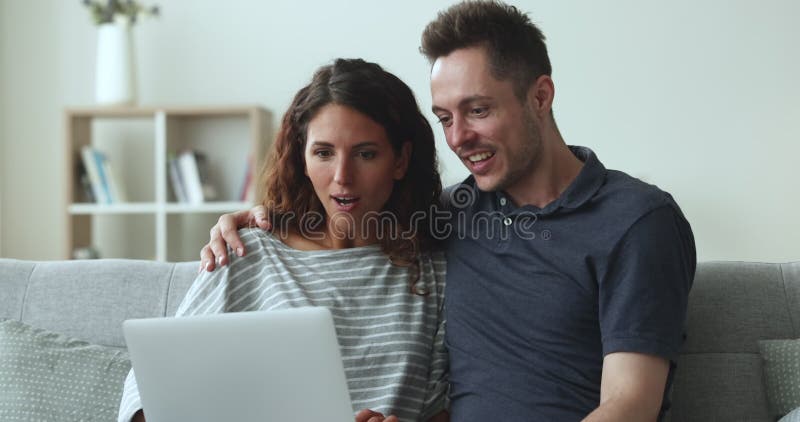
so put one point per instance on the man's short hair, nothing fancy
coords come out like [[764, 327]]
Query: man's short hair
[[515, 46]]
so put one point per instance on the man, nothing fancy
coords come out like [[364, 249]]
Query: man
[[569, 302]]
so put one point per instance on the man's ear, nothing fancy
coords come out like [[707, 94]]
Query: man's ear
[[401, 164], [541, 94]]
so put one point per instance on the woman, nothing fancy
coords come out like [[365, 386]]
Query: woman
[[352, 163]]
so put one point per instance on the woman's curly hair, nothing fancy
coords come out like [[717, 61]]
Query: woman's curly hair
[[289, 196]]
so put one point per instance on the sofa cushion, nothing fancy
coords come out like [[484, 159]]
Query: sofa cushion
[[781, 362], [90, 299], [719, 387], [733, 305], [49, 376], [13, 283]]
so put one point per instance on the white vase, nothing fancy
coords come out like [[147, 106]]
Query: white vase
[[115, 77]]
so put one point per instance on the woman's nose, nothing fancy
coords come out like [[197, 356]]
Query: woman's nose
[[344, 171]]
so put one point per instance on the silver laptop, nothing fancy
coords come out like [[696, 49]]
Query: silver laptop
[[248, 366]]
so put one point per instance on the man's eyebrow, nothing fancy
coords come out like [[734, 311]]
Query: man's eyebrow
[[464, 101]]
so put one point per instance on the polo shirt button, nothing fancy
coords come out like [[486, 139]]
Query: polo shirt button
[[503, 201], [507, 221]]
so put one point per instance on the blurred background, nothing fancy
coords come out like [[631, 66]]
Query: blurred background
[[699, 98]]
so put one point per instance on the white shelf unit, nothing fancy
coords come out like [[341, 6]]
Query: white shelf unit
[[138, 142]]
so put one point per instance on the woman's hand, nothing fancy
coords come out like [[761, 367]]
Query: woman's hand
[[368, 415], [226, 232]]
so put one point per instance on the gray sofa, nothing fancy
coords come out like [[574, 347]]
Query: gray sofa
[[732, 306]]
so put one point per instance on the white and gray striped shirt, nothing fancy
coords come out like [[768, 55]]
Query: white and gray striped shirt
[[391, 340]]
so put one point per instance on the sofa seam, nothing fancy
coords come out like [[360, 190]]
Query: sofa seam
[[27, 289], [786, 297], [169, 287]]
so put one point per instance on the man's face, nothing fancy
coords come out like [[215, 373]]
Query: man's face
[[495, 135]]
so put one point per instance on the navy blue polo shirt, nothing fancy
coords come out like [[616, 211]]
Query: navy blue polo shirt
[[536, 297]]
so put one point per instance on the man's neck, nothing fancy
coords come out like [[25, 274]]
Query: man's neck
[[556, 168]]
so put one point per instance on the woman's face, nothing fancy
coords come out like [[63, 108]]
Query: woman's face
[[352, 167]]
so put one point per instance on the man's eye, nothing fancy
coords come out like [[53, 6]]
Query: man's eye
[[479, 111], [444, 120], [367, 155]]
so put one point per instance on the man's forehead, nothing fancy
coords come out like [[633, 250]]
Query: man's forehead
[[461, 77], [463, 60]]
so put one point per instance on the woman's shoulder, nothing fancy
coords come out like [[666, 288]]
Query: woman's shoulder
[[434, 262], [254, 232], [257, 241], [434, 256]]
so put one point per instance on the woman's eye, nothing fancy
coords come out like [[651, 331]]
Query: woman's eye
[[322, 153], [444, 120]]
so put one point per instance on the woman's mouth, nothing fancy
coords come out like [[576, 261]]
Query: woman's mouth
[[345, 202]]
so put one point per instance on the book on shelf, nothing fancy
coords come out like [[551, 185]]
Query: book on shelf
[[176, 181], [105, 184], [93, 169], [116, 189], [84, 182], [196, 184]]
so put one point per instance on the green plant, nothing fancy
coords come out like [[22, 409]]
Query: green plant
[[107, 12]]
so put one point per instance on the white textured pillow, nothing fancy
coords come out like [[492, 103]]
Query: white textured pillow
[[780, 360], [793, 416], [48, 376]]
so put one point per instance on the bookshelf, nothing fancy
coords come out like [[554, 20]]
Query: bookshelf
[[138, 142]]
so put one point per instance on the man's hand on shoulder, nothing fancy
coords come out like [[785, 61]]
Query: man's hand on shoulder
[[632, 387], [226, 232]]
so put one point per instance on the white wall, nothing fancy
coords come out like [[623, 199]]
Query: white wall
[[31, 167], [699, 98], [3, 37]]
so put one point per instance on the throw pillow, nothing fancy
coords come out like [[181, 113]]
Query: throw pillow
[[781, 365], [48, 376], [793, 416]]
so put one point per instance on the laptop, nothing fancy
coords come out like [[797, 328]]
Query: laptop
[[249, 366]]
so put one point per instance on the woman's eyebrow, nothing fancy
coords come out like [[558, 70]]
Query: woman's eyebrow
[[358, 145]]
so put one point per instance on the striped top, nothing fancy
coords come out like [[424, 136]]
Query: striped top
[[391, 340]]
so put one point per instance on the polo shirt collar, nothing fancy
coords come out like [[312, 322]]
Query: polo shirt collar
[[583, 188], [589, 180]]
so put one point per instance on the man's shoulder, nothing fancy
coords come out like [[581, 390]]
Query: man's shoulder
[[626, 201], [625, 193]]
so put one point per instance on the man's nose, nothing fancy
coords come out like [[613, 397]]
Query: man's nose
[[461, 134]]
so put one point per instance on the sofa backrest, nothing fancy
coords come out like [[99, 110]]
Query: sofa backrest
[[90, 299], [732, 306]]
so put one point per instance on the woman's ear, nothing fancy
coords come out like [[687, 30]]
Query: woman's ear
[[401, 164]]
